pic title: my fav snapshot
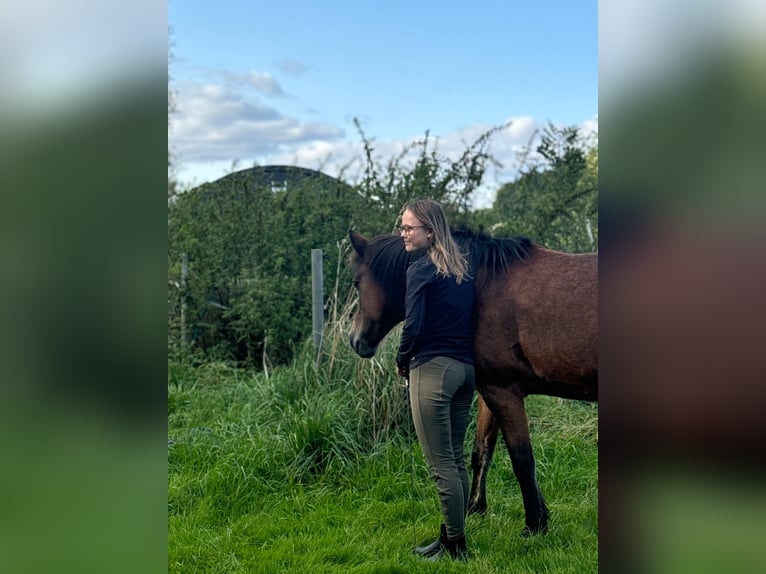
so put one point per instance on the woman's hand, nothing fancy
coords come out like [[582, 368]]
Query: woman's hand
[[402, 372]]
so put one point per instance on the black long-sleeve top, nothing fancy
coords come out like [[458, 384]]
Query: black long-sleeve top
[[438, 317]]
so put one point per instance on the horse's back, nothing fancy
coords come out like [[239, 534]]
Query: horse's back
[[540, 319]]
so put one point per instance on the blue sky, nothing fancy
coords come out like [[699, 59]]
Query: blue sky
[[280, 82]]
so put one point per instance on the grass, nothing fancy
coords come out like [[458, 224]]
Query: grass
[[307, 469]]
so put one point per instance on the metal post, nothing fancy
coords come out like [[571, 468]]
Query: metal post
[[317, 297], [184, 274]]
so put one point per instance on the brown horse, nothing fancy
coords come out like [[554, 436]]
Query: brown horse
[[536, 332]]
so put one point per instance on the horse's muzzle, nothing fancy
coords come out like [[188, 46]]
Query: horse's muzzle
[[361, 347]]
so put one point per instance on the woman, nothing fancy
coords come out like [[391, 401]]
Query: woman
[[436, 354]]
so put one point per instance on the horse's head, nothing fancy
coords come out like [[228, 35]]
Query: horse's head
[[379, 269]]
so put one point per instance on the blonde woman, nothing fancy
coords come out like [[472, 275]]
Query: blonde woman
[[436, 353]]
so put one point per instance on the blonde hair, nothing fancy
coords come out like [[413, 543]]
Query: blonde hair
[[444, 252]]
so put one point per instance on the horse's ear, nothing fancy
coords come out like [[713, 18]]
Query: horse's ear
[[358, 241]]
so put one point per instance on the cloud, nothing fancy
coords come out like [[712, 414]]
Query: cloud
[[262, 82], [292, 67], [589, 128], [220, 123], [332, 157]]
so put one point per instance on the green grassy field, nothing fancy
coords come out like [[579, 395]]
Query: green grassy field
[[308, 469]]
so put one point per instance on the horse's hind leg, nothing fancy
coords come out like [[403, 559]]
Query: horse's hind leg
[[481, 458], [508, 408]]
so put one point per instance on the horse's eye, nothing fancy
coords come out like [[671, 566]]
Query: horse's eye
[[356, 284]]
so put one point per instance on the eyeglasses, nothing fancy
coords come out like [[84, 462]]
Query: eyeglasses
[[407, 229]]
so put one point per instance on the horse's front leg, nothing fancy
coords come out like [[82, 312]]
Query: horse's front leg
[[507, 404], [481, 458]]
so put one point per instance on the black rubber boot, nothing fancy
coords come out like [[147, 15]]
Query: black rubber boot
[[433, 548], [455, 549]]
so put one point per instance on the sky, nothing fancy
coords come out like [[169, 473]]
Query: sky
[[266, 83]]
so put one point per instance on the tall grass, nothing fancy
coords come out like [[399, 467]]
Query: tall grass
[[316, 415], [307, 468], [280, 474]]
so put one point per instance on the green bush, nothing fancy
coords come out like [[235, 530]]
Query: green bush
[[246, 296]]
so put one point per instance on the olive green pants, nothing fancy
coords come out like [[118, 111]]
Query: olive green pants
[[441, 392]]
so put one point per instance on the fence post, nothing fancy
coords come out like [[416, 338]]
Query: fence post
[[184, 274], [317, 298]]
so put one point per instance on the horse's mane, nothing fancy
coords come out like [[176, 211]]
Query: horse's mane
[[492, 254], [388, 260]]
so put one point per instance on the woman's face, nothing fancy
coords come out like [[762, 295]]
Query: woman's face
[[415, 234]]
